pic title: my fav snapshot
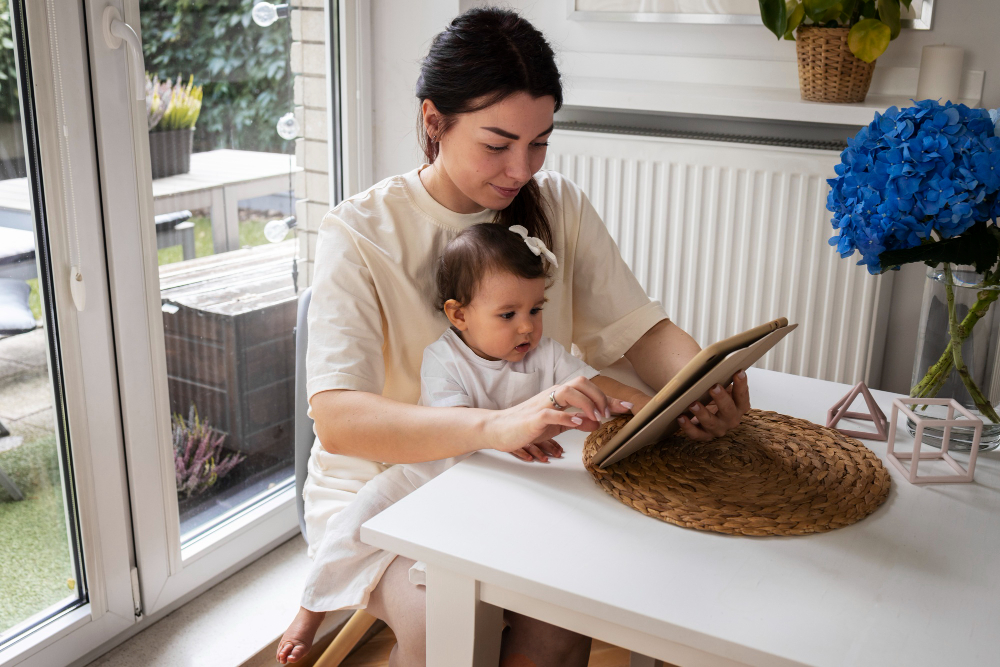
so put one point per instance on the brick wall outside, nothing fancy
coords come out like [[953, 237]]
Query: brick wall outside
[[312, 191]]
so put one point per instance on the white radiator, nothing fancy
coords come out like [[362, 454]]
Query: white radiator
[[728, 236]]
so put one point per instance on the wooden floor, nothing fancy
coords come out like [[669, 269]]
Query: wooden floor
[[375, 653]]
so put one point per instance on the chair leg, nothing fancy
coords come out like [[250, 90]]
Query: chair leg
[[344, 642], [7, 483]]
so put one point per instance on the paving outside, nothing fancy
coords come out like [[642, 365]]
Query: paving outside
[[35, 565]]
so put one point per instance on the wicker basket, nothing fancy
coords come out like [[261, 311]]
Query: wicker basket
[[828, 71]]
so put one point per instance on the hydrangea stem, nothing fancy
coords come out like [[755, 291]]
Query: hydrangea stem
[[958, 336], [938, 374]]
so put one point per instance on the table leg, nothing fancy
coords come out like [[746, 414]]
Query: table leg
[[462, 630], [639, 660], [232, 218], [8, 484], [220, 239], [185, 234]]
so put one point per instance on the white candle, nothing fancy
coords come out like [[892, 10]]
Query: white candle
[[940, 73]]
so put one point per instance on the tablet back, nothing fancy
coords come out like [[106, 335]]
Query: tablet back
[[716, 364]]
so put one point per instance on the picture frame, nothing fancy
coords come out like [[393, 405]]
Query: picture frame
[[719, 12]]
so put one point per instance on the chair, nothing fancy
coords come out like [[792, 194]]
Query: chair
[[361, 622], [15, 318], [175, 229]]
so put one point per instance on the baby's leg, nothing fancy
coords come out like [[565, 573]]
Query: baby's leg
[[401, 605], [298, 638]]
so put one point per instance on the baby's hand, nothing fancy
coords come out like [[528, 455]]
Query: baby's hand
[[539, 451], [539, 418]]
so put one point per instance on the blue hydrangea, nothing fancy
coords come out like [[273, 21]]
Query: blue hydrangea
[[927, 168]]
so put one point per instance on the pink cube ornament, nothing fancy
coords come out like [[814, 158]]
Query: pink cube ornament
[[914, 457]]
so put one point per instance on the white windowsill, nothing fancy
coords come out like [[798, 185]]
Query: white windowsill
[[741, 88], [236, 622]]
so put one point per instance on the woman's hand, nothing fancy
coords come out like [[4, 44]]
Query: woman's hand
[[724, 412], [537, 420]]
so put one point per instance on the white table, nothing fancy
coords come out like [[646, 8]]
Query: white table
[[218, 180], [913, 584]]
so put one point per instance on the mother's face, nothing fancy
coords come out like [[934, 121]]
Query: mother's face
[[488, 155]]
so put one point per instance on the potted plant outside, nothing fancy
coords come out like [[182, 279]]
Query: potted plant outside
[[200, 459], [171, 113], [837, 42]]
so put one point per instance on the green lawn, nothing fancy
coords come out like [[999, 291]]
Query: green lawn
[[35, 563], [251, 234]]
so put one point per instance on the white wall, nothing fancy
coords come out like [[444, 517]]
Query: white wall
[[402, 31], [401, 34]]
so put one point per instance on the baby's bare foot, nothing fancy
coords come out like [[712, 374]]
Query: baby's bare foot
[[298, 638]]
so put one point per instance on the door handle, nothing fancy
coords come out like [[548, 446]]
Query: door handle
[[115, 32]]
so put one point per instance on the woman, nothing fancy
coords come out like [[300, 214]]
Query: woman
[[489, 88]]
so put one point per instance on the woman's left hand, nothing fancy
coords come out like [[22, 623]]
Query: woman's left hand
[[724, 412]]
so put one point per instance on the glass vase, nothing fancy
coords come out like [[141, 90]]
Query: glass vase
[[979, 352]]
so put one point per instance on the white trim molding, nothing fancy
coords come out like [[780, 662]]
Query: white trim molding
[[356, 95], [921, 22], [743, 88]]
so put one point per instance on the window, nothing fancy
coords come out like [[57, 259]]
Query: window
[[41, 570], [229, 170], [161, 401], [65, 576]]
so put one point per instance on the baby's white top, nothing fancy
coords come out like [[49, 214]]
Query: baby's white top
[[452, 375]]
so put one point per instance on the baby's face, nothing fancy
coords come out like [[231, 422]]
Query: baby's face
[[504, 319]]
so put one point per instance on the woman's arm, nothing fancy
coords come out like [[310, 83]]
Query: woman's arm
[[661, 353], [372, 427]]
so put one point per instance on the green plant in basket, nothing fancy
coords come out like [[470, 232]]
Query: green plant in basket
[[172, 106], [873, 23]]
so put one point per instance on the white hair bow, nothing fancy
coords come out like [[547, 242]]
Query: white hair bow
[[535, 244]]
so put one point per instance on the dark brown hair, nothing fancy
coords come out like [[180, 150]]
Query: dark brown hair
[[479, 251], [483, 57]]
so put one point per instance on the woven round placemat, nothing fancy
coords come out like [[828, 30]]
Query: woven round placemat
[[771, 475]]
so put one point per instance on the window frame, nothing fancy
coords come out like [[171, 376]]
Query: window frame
[[167, 572], [89, 380], [113, 358]]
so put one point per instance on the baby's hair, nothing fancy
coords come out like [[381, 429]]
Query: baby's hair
[[479, 251]]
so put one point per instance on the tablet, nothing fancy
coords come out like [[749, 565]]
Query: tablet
[[716, 364]]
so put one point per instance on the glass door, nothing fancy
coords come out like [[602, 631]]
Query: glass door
[[65, 576], [222, 128], [41, 570], [221, 174]]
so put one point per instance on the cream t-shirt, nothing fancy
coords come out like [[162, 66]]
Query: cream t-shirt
[[372, 311]]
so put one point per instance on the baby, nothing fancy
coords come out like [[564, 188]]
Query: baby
[[491, 285]]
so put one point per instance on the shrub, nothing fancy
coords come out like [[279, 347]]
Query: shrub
[[243, 68], [198, 460]]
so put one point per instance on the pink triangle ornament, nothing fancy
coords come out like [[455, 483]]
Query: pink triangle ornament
[[874, 414]]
